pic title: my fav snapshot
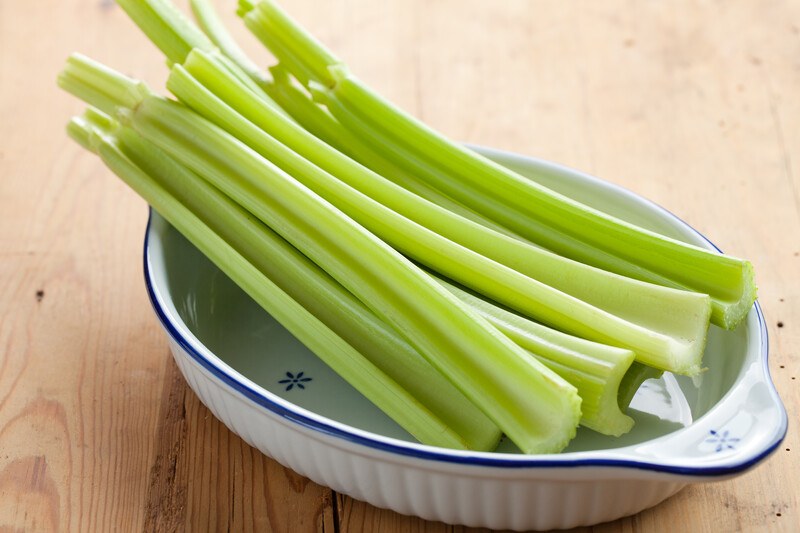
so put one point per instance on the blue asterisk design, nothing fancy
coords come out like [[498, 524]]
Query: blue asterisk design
[[723, 440], [293, 381]]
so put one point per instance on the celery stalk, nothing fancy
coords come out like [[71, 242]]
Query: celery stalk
[[166, 27], [664, 326], [104, 87], [632, 380], [175, 35], [531, 210], [343, 358], [596, 370], [212, 26], [536, 408], [319, 122], [316, 291]]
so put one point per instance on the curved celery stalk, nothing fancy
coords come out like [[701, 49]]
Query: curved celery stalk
[[409, 301], [212, 26], [596, 370], [166, 27], [315, 119], [175, 35], [664, 326], [105, 88], [343, 358], [319, 122], [531, 210], [537, 409], [316, 291]]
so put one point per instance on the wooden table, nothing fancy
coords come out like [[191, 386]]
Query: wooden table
[[692, 104]]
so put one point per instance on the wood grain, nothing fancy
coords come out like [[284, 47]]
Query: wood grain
[[692, 104]]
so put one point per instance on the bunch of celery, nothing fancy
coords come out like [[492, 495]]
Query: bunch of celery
[[460, 298]]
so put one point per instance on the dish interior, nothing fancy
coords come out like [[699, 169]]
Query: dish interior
[[234, 328]]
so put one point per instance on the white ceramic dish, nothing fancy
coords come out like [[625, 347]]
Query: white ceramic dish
[[276, 395]]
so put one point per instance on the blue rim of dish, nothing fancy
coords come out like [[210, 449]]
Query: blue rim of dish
[[485, 459]]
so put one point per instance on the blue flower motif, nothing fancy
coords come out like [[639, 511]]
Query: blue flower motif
[[723, 440], [293, 381]]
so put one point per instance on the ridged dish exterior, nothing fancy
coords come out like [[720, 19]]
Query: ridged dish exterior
[[471, 495]]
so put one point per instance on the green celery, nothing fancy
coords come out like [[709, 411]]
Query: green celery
[[319, 122], [339, 355], [104, 87], [527, 208], [166, 27], [175, 35], [212, 26], [596, 370], [316, 291], [593, 369], [666, 327], [536, 408], [632, 380]]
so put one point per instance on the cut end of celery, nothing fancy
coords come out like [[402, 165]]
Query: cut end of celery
[[100, 86], [683, 352], [567, 427], [729, 315]]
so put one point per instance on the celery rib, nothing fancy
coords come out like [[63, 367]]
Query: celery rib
[[175, 35], [596, 370], [317, 292], [320, 123], [536, 408], [212, 26], [340, 356], [362, 263], [679, 319], [535, 212], [338, 227]]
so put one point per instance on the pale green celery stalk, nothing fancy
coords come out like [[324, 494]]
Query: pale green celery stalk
[[304, 66], [535, 212], [175, 35], [322, 125], [490, 370], [664, 326], [106, 88], [166, 27], [343, 358], [593, 369], [212, 26], [317, 292], [532, 405], [596, 370]]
